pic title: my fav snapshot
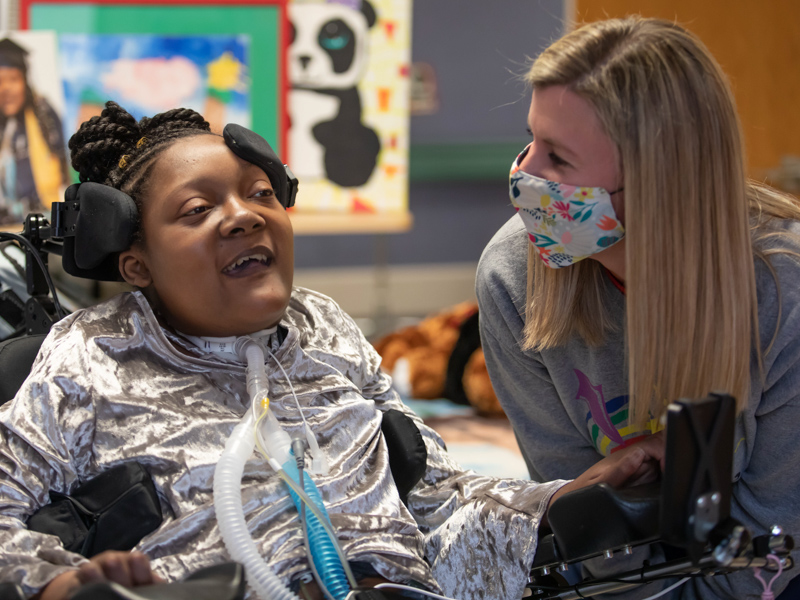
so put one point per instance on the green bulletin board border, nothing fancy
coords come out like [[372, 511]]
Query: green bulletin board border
[[262, 22]]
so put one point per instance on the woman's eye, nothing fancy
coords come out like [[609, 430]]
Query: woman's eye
[[266, 193], [557, 160]]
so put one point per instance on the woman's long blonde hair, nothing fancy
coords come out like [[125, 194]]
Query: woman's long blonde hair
[[691, 215]]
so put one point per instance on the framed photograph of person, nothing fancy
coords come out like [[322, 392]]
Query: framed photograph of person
[[33, 160]]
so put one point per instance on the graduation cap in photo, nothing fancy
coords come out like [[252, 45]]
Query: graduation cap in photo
[[13, 55]]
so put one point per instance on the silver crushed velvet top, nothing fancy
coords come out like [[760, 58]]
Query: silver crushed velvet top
[[111, 385]]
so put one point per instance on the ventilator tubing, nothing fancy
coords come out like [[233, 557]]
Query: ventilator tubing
[[230, 516], [322, 550], [228, 494]]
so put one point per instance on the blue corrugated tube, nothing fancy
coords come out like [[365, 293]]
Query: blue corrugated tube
[[322, 550]]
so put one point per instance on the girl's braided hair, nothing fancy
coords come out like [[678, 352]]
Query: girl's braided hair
[[116, 150]]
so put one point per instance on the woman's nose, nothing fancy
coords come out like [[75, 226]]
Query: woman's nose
[[240, 217], [529, 160]]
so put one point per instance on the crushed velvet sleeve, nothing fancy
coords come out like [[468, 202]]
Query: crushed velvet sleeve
[[37, 437], [480, 532]]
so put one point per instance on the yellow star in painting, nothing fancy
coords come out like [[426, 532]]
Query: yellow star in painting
[[225, 72]]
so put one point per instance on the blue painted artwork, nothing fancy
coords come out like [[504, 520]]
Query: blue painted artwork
[[148, 74]]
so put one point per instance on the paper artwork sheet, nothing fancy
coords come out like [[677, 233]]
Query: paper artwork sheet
[[148, 74], [348, 69]]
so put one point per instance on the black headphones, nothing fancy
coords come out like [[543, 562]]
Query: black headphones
[[97, 221]]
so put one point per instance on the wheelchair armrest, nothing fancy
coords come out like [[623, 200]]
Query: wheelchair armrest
[[547, 553], [594, 519], [220, 582], [11, 591]]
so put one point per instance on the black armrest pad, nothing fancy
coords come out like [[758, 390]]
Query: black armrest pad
[[16, 359], [593, 519], [220, 582], [408, 457]]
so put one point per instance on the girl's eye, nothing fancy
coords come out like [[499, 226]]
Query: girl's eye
[[265, 193], [196, 210]]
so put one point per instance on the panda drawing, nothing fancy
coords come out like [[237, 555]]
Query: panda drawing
[[327, 58]]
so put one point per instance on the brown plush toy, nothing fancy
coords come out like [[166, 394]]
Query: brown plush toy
[[441, 358], [478, 388]]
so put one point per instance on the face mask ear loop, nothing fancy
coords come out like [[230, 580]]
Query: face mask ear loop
[[319, 463]]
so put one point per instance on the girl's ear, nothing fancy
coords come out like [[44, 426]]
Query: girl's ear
[[133, 268]]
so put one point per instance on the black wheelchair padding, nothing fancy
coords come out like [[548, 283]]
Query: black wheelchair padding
[[408, 457], [253, 148], [16, 357], [591, 520], [11, 591], [112, 511], [220, 582], [699, 453], [97, 222]]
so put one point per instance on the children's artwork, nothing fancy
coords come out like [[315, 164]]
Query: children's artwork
[[33, 160], [349, 104], [148, 74]]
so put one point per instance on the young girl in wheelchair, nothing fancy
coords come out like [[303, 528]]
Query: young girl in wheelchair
[[154, 376]]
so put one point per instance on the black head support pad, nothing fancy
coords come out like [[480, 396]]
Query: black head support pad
[[97, 221], [253, 148]]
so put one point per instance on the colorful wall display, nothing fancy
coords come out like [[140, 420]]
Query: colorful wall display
[[148, 74], [257, 24], [348, 69], [325, 81]]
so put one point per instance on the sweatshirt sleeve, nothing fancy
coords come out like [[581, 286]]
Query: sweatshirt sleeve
[[35, 449], [480, 531]]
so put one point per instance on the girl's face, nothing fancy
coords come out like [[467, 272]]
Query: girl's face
[[218, 249], [569, 145]]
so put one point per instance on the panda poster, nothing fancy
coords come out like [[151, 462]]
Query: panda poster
[[348, 104]]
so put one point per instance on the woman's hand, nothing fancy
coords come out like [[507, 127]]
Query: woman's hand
[[637, 464], [125, 568]]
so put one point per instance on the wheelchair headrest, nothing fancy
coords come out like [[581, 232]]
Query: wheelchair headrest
[[97, 221]]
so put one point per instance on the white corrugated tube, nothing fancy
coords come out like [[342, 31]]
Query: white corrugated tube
[[228, 497]]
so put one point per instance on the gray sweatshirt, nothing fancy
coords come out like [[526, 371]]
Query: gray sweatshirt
[[568, 405]]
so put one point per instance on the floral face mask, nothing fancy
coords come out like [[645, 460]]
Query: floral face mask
[[566, 223]]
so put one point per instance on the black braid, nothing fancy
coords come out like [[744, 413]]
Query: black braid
[[115, 150]]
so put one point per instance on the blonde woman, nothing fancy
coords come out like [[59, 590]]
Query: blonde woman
[[643, 266]]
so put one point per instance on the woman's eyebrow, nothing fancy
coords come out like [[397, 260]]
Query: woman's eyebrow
[[562, 149], [565, 151]]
